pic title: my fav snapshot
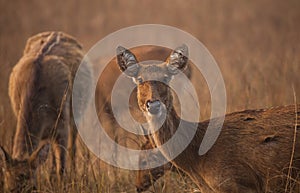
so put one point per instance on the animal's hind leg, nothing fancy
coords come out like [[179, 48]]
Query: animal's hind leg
[[72, 146], [59, 152], [60, 149]]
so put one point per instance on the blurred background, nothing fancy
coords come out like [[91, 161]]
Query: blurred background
[[255, 43]]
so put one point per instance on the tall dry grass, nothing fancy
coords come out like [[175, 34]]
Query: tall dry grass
[[255, 43]]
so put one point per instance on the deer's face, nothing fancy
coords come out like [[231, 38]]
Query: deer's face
[[152, 94], [19, 175], [152, 78]]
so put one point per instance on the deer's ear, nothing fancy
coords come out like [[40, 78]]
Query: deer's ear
[[178, 59], [4, 158], [39, 156], [127, 62]]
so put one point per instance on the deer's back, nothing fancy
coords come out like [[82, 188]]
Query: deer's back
[[255, 149], [66, 47], [56, 68]]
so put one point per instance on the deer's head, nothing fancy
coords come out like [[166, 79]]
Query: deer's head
[[20, 175], [152, 78]]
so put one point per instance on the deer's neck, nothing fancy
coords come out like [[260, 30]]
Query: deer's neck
[[185, 135], [188, 138], [165, 125]]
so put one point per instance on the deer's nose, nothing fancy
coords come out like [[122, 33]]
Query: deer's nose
[[153, 107]]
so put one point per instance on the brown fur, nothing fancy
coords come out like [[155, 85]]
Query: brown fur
[[40, 91], [252, 153]]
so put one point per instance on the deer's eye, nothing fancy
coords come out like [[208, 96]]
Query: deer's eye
[[144, 163], [166, 79], [139, 80]]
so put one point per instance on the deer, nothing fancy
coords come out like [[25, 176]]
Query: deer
[[256, 151], [40, 89], [103, 94]]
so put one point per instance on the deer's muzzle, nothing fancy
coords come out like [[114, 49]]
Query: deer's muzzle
[[153, 107]]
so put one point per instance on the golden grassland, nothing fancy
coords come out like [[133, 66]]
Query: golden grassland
[[255, 43]]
